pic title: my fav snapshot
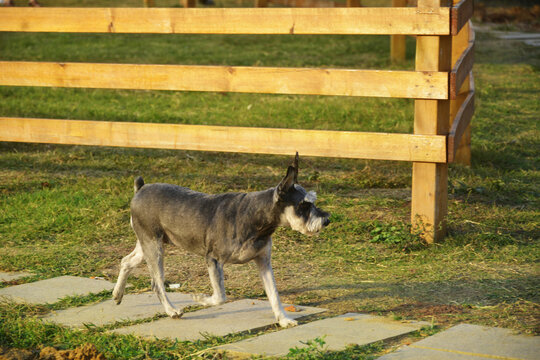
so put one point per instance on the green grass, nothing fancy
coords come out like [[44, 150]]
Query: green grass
[[64, 210]]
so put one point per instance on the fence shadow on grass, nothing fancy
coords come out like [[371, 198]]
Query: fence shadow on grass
[[482, 292]]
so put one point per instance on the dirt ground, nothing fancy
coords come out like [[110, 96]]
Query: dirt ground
[[84, 352]]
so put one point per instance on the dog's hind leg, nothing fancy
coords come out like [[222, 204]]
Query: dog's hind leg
[[127, 265], [263, 262], [215, 270], [153, 254]]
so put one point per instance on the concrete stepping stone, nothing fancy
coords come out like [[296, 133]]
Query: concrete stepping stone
[[52, 290], [133, 307], [338, 332], [10, 276], [471, 342], [233, 317]]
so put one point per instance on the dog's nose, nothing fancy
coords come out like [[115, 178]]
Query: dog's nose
[[326, 222]]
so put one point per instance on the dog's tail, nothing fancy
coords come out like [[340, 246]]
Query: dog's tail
[[138, 184]]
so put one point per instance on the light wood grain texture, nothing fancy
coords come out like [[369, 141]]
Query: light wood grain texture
[[430, 181], [306, 81], [397, 42], [308, 3], [343, 144], [462, 67], [460, 124], [459, 44], [460, 15], [428, 6], [398, 49], [384, 21]]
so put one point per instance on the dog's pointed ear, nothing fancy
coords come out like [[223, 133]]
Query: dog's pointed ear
[[286, 183], [295, 165]]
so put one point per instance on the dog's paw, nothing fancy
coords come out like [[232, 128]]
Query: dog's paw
[[287, 322], [175, 314], [117, 297], [200, 298], [206, 300]]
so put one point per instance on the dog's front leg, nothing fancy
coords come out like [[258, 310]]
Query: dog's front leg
[[263, 261], [215, 270]]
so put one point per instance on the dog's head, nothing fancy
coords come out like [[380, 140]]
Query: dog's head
[[297, 205]]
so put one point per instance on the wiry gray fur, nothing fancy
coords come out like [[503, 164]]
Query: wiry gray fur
[[224, 228]]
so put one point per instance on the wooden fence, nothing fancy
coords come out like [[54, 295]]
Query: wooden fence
[[441, 86]]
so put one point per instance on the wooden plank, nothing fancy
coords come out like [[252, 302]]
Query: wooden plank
[[460, 14], [354, 21], [462, 67], [430, 181], [461, 70], [305, 81], [189, 3], [428, 6], [397, 42], [308, 3], [460, 44], [343, 144], [460, 124]]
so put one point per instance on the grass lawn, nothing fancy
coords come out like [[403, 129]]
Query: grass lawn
[[64, 210]]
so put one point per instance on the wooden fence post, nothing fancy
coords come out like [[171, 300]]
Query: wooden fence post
[[459, 44], [189, 3], [430, 180], [397, 42]]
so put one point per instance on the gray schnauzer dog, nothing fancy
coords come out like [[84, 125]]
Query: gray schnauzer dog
[[224, 228]]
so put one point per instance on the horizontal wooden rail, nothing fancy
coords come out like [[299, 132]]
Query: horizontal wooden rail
[[462, 67], [344, 144], [353, 21], [460, 15], [462, 120], [304, 81], [308, 3]]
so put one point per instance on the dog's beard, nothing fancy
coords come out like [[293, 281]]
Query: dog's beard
[[309, 227], [314, 224]]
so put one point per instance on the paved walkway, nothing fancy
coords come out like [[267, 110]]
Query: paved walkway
[[13, 276], [471, 342], [52, 290], [221, 320], [133, 307], [337, 332], [461, 342]]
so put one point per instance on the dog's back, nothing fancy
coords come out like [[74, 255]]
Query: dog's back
[[166, 212], [196, 221]]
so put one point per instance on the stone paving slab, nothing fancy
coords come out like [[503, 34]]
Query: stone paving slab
[[338, 332], [133, 307], [10, 276], [471, 342], [52, 290], [237, 316]]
